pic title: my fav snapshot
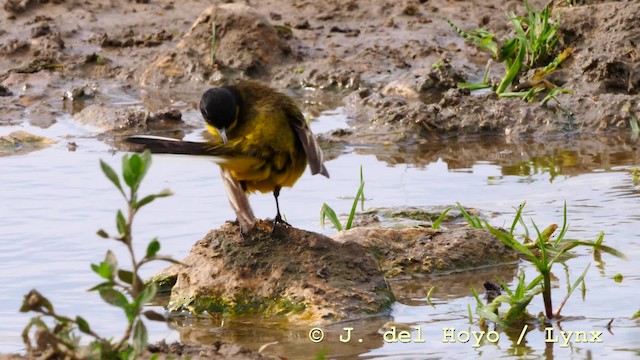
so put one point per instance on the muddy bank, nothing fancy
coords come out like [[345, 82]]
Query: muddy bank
[[395, 63], [603, 73]]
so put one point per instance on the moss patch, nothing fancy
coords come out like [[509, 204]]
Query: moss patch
[[243, 304]]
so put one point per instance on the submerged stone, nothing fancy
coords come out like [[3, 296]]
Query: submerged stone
[[129, 120], [21, 142]]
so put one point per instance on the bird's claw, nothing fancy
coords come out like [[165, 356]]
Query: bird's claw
[[279, 220]]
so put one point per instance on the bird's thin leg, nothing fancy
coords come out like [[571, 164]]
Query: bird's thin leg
[[278, 219]]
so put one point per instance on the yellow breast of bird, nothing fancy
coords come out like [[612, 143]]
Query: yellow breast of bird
[[271, 153]]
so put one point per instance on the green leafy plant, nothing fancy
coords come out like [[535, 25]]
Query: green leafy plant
[[326, 212], [534, 40], [120, 287], [518, 300], [544, 252]]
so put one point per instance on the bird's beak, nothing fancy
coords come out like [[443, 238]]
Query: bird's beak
[[223, 135]]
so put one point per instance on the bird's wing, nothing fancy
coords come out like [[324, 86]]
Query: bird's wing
[[311, 148]]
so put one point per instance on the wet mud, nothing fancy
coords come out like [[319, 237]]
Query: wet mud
[[395, 64]]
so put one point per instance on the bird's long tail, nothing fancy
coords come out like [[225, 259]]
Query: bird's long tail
[[163, 145], [235, 193], [238, 200]]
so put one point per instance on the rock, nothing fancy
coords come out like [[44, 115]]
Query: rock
[[401, 217], [291, 273], [246, 44], [129, 39], [4, 91], [21, 142], [424, 250], [129, 120], [217, 351]]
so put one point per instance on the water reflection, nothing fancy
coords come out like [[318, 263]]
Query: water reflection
[[572, 156]]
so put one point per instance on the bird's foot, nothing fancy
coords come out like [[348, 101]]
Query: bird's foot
[[243, 231], [279, 220]]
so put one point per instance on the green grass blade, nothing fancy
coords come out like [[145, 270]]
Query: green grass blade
[[487, 71], [513, 243], [482, 38], [599, 239], [214, 44], [530, 95], [511, 94], [471, 220], [512, 70], [326, 212], [436, 224], [473, 86], [574, 243], [429, 293], [520, 288], [505, 287], [535, 282], [552, 94], [362, 183], [635, 128], [517, 218], [508, 49], [354, 206], [517, 26], [565, 226], [475, 295], [545, 266], [579, 281]]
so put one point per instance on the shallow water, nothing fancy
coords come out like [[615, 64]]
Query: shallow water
[[53, 201]]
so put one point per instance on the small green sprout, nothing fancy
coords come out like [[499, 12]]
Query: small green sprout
[[326, 212]]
